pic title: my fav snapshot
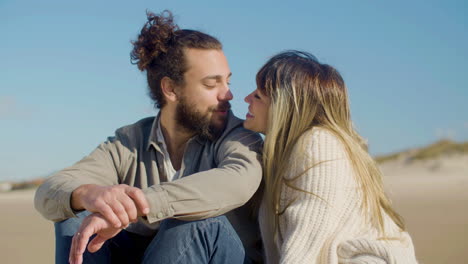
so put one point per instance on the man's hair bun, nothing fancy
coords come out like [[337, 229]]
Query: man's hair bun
[[154, 39], [159, 51]]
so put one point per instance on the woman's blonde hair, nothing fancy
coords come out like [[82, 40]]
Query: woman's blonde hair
[[305, 94]]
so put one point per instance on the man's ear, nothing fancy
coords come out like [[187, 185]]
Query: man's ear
[[168, 89]]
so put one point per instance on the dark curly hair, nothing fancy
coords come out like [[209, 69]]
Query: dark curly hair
[[159, 50]]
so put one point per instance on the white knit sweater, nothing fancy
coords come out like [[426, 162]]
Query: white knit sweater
[[335, 231]]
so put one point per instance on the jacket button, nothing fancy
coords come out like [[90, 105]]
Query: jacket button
[[160, 215]]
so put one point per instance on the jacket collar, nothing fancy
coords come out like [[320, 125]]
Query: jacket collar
[[153, 138]]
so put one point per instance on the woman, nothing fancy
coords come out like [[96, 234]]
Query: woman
[[323, 199]]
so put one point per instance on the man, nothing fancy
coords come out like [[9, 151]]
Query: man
[[193, 161]]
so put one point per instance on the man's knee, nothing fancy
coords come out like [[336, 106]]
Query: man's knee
[[200, 241], [210, 226]]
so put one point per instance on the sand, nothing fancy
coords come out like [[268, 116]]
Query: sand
[[432, 199], [25, 237]]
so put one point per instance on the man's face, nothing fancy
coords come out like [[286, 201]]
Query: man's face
[[203, 101]]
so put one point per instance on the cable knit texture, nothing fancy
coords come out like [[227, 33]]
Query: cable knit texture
[[332, 228]]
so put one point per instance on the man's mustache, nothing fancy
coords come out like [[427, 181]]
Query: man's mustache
[[226, 106]]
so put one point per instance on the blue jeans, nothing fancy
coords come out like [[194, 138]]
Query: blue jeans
[[212, 240]]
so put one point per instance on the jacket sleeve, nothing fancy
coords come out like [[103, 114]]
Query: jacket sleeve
[[216, 191], [308, 224], [101, 167]]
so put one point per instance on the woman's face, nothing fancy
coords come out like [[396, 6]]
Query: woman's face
[[257, 116]]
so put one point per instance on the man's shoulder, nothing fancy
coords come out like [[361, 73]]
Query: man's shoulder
[[235, 125], [235, 131], [233, 122], [141, 125], [137, 132], [237, 141]]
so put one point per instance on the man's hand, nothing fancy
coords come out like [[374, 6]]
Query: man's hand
[[119, 204], [92, 224]]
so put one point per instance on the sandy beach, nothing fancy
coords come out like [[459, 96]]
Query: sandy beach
[[434, 203], [433, 199], [25, 237]]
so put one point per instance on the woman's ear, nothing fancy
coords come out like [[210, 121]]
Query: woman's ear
[[168, 88]]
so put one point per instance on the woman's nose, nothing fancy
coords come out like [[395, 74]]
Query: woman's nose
[[247, 99]]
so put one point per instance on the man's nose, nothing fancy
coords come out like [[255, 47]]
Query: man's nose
[[226, 94]]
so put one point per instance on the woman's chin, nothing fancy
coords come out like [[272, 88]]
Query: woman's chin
[[249, 126]]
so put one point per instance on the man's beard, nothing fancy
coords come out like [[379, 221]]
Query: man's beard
[[197, 122]]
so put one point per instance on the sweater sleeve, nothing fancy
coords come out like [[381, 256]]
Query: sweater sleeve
[[311, 219]]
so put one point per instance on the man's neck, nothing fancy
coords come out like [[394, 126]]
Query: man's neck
[[175, 137]]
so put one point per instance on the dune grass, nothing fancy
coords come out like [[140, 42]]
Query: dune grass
[[439, 148]]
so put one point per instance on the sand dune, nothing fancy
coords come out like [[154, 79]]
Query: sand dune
[[432, 196]]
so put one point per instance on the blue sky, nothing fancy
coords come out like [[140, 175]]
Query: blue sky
[[66, 82]]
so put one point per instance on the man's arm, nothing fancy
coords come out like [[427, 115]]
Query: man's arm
[[200, 195], [91, 184], [119, 204], [216, 191]]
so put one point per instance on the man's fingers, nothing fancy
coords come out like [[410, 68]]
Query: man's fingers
[[119, 210], [79, 241], [130, 208], [92, 224], [83, 239], [78, 259], [110, 216], [71, 257], [96, 243], [75, 257], [74, 246], [139, 199]]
